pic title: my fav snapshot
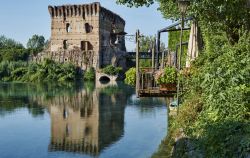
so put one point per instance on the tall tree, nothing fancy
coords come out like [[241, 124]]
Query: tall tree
[[36, 42], [230, 16], [12, 50], [146, 43], [9, 43]]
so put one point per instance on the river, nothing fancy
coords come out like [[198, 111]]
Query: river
[[79, 120]]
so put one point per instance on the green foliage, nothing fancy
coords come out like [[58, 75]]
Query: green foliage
[[145, 62], [229, 16], [13, 54], [89, 85], [146, 44], [136, 3], [225, 81], [174, 39], [109, 90], [11, 50], [32, 72], [168, 76], [131, 76], [23, 94], [89, 75], [215, 112], [9, 43], [111, 70], [36, 42]]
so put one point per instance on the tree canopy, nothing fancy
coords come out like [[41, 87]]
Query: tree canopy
[[230, 16], [136, 3], [36, 42], [12, 50], [9, 43], [146, 44]]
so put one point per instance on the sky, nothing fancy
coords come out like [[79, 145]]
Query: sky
[[20, 19]]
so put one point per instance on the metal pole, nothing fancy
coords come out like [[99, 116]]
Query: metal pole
[[137, 64], [179, 63]]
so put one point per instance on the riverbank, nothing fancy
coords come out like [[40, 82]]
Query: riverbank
[[48, 70], [213, 120]]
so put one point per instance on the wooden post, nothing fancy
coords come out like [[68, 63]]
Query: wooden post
[[153, 55], [162, 59], [142, 81], [137, 64]]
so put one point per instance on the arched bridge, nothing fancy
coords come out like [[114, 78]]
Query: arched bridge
[[104, 77]]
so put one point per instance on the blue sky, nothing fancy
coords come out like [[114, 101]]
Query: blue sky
[[20, 19]]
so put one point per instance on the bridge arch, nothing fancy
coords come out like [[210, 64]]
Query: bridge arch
[[104, 78]]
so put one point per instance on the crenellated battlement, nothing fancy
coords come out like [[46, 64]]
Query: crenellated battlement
[[74, 10], [84, 10]]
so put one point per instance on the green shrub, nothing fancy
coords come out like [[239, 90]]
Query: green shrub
[[145, 63], [13, 54], [130, 76], [215, 111], [89, 74], [111, 70], [168, 76]]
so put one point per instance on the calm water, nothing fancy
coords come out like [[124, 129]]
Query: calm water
[[78, 120]]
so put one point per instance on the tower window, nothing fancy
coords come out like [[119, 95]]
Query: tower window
[[65, 44], [83, 45], [86, 45], [68, 27], [88, 28]]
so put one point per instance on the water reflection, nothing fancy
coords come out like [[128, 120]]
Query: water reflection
[[87, 121], [84, 121], [83, 118]]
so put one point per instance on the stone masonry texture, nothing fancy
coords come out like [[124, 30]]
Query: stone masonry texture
[[87, 35]]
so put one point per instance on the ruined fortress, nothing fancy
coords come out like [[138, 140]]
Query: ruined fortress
[[87, 35]]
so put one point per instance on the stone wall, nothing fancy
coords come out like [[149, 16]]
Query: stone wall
[[80, 31], [110, 51]]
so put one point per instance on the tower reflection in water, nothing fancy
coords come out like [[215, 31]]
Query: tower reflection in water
[[67, 119], [87, 121]]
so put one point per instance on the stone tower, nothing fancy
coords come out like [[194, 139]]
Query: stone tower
[[87, 35]]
